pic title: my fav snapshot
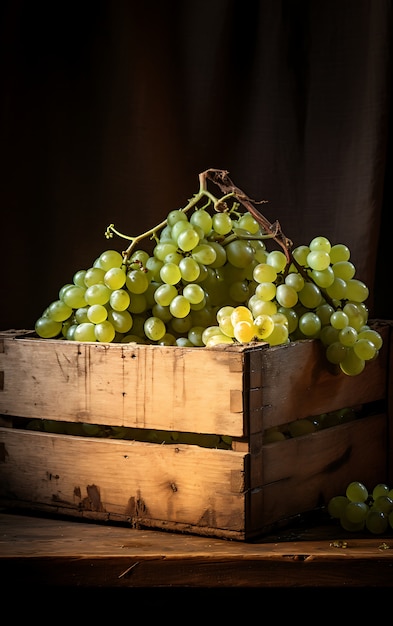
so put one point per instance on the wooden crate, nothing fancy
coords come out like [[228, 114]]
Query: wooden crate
[[233, 392]]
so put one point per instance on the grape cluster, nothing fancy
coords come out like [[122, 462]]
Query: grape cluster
[[211, 280], [360, 509]]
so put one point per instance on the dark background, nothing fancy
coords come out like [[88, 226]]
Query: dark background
[[110, 110]]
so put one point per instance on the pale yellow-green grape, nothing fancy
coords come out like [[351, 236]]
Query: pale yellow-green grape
[[300, 254], [310, 296], [119, 300], [138, 259], [241, 313], [221, 255], [240, 253], [249, 223], [339, 252], [320, 243], [193, 293], [226, 326], [218, 339], [204, 254], [265, 291], [195, 335], [137, 281], [122, 321], [189, 269], [348, 336], [336, 352], [373, 336], [81, 314], [170, 273], [357, 290], [97, 294], [153, 266], [318, 260], [188, 239], [339, 320], [110, 258], [162, 312], [79, 278], [210, 331], [104, 331], [352, 365], [115, 278], [179, 306], [355, 315], [85, 332], [203, 219], [154, 328], [260, 307], [222, 223], [263, 272], [59, 311], [309, 324], [97, 313], [74, 296], [323, 278], [93, 276], [278, 336], [364, 349], [164, 294], [174, 257], [292, 318], [277, 259], [286, 296], [175, 216], [338, 289], [324, 312], [260, 252], [163, 248], [295, 280], [344, 269], [47, 328]]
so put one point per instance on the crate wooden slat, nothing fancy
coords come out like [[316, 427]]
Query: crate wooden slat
[[239, 391]]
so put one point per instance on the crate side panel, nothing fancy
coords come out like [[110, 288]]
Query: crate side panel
[[294, 381], [189, 390], [304, 473], [131, 481]]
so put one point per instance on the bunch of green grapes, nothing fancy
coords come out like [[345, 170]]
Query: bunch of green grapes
[[211, 280], [360, 509]]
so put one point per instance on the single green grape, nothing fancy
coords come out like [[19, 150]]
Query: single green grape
[[356, 491]]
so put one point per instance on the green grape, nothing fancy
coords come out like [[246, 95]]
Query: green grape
[[300, 254], [110, 258], [74, 297], [260, 307], [138, 303], [163, 248], [266, 291], [277, 259], [164, 294], [244, 331], [272, 435], [318, 260], [320, 243], [301, 427], [175, 216], [323, 278], [381, 489], [324, 311], [355, 512], [79, 278], [221, 255], [85, 332], [204, 254], [264, 326], [162, 312], [93, 276], [97, 294], [356, 491], [239, 253], [222, 223], [309, 324], [97, 313], [336, 352], [336, 506], [189, 269], [286, 296], [278, 336], [338, 289], [122, 321], [104, 331], [344, 269], [59, 311], [328, 335], [263, 272], [194, 293], [352, 365], [239, 291], [188, 240], [203, 219], [115, 278], [195, 335], [357, 290], [249, 223], [153, 267], [339, 320], [167, 340], [371, 335], [179, 306], [295, 280], [154, 328], [138, 259], [180, 227], [348, 336], [383, 503], [310, 296], [364, 349], [292, 318], [352, 527], [339, 252], [47, 328], [170, 273], [377, 522], [119, 300], [181, 325]]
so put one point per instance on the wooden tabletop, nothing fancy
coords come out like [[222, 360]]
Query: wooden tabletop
[[40, 551]]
